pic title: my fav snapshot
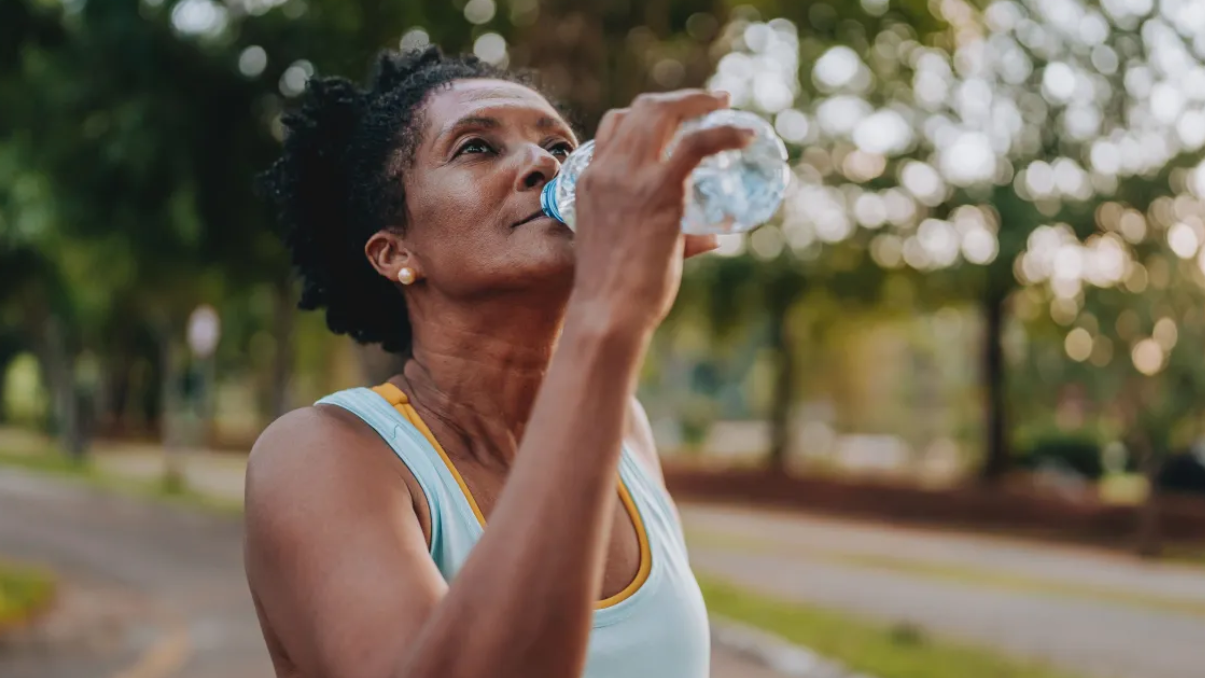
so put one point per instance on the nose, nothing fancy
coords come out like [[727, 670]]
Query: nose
[[539, 167]]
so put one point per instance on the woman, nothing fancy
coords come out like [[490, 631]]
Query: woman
[[412, 213]]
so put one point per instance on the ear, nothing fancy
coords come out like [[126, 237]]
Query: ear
[[388, 254]]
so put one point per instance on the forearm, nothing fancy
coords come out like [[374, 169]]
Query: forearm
[[522, 603]]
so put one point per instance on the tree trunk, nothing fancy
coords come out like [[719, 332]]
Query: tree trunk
[[9, 348], [85, 423], [784, 392], [1148, 541], [117, 413], [207, 397], [997, 448], [60, 378], [169, 411], [169, 389], [284, 315]]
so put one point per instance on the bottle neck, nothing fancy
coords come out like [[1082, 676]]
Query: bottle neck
[[548, 200]]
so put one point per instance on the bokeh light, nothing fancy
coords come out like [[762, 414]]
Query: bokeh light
[[1148, 357], [491, 48], [1078, 345], [415, 38], [479, 11], [252, 61]]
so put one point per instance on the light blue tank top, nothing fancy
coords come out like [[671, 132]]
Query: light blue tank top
[[658, 630]]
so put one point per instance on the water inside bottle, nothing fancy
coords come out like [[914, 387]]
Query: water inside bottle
[[736, 191], [731, 192]]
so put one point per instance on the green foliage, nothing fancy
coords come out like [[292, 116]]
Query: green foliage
[[128, 144], [1183, 473], [1078, 453], [23, 399]]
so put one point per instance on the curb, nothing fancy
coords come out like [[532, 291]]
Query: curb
[[774, 652]]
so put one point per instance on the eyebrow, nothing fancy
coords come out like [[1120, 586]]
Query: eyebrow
[[486, 122]]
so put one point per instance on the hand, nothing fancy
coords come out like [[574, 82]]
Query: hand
[[630, 202], [699, 244]]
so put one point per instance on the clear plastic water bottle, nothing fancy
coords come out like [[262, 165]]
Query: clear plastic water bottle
[[731, 191]]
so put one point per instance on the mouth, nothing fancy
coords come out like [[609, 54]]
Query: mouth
[[538, 214]]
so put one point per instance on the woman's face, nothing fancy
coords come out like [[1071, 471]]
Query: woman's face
[[474, 224]]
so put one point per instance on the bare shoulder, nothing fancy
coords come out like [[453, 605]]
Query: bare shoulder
[[641, 441], [300, 432], [334, 552], [313, 444], [317, 463]]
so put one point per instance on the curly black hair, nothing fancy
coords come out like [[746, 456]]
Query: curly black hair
[[338, 182]]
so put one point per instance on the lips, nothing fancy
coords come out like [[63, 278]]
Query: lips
[[536, 215]]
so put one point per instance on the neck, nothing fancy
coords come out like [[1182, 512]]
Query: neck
[[477, 372]]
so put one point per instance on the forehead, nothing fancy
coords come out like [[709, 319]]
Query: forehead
[[465, 98]]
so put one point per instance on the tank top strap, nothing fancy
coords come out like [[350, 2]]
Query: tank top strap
[[455, 523], [650, 492], [655, 628], [400, 402]]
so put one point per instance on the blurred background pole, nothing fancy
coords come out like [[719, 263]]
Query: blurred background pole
[[86, 384], [283, 324], [204, 331], [169, 407]]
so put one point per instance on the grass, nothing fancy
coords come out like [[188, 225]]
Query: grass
[[1185, 555], [170, 490], [24, 591], [961, 574], [879, 649]]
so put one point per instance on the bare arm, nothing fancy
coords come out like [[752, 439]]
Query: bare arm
[[340, 564], [342, 572]]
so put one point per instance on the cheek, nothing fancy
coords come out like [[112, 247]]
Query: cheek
[[459, 223], [451, 226], [446, 201]]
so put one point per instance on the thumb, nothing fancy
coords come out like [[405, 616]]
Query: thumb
[[700, 244]]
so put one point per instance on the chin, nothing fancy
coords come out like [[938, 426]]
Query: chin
[[553, 263], [554, 228], [545, 249]]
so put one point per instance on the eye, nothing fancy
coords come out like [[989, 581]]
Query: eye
[[561, 149], [474, 147]]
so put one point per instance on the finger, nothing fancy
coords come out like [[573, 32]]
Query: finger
[[697, 145], [682, 104], [656, 117], [700, 244], [610, 122]]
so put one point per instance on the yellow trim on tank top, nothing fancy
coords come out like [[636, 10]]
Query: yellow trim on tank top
[[400, 402]]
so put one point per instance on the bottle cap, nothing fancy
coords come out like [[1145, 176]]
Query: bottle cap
[[548, 200]]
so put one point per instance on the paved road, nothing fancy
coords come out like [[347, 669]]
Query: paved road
[[151, 591], [1104, 615], [1100, 614]]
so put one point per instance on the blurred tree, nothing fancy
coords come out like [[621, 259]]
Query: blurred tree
[[147, 155], [932, 142], [759, 64], [1135, 348], [946, 150]]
